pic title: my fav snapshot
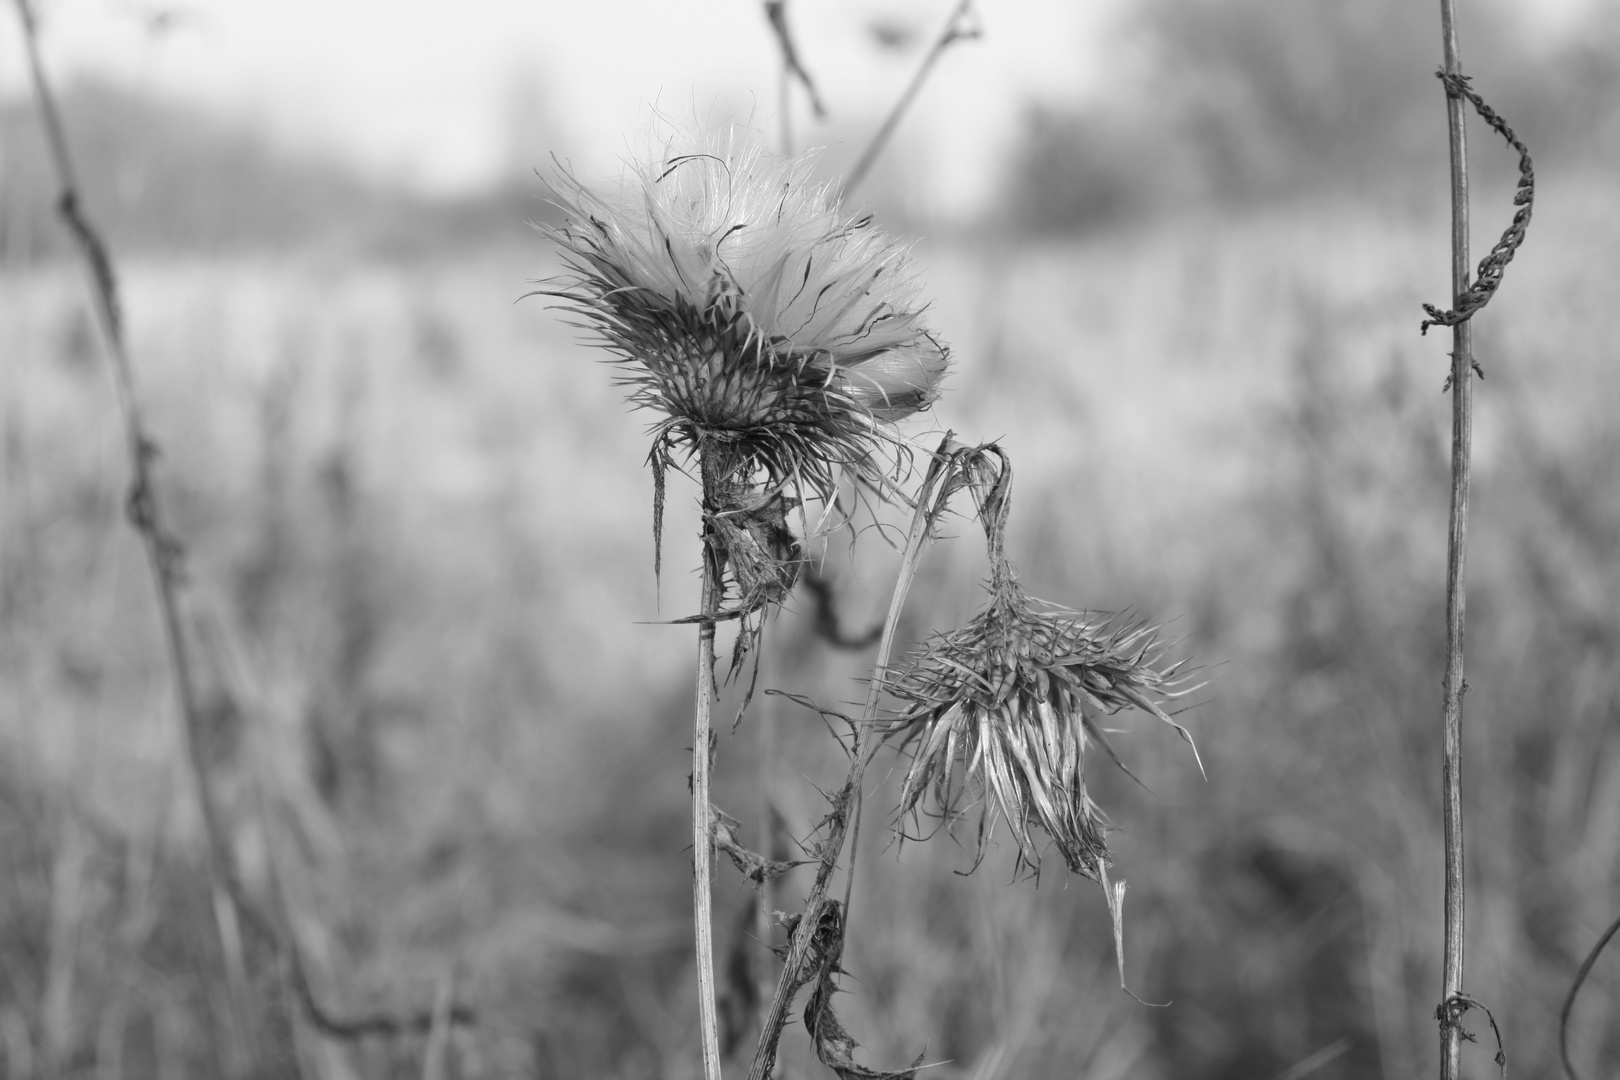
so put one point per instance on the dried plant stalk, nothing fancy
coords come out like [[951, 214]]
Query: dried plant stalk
[[1574, 990], [1462, 426], [702, 841], [164, 553], [1467, 299], [165, 559], [959, 27], [818, 933]]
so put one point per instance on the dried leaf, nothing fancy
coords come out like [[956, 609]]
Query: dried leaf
[[835, 1046], [753, 866]]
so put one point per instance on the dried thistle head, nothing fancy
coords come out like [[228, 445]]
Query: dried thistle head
[[748, 310], [771, 332], [1002, 713]]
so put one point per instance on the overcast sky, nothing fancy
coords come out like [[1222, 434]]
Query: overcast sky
[[433, 93], [443, 96]]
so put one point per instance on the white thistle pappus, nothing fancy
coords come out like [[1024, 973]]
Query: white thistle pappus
[[772, 333]]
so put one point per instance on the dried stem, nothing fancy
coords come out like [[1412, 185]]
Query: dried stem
[[165, 558], [796, 968], [956, 29], [1462, 400], [164, 553], [1574, 989], [702, 762], [792, 70], [766, 722]]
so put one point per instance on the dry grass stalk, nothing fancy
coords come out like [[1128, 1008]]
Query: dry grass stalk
[[961, 26], [1462, 426], [165, 558], [164, 553], [1467, 300], [1575, 989], [816, 935]]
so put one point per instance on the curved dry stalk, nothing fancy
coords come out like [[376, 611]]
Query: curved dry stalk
[[957, 28], [164, 553], [809, 936], [1574, 989], [165, 559], [929, 504], [793, 70]]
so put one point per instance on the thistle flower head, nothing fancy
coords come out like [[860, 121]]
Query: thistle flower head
[[1002, 713], [748, 310]]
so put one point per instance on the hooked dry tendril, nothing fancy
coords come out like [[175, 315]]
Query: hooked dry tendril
[[1491, 268]]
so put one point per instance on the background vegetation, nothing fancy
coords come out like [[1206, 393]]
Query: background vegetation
[[419, 545]]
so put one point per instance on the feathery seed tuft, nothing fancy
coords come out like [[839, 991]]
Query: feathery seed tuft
[[773, 334], [745, 307]]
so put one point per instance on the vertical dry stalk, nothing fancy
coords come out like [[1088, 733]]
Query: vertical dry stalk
[[164, 553], [702, 839], [1462, 421], [766, 720], [803, 941]]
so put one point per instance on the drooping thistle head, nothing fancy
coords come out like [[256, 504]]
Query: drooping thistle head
[[1002, 713], [771, 332]]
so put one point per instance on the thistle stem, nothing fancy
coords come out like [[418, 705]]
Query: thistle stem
[[1462, 396], [922, 524], [702, 840], [766, 722], [846, 805]]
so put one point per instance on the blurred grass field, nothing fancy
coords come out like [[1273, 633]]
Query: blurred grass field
[[419, 551], [418, 534]]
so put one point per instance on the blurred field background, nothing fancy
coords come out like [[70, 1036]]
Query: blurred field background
[[453, 750]]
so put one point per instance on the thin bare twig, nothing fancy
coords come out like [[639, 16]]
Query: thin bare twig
[[1462, 424], [959, 27], [792, 69], [378, 1025], [810, 934], [1574, 989], [1467, 298], [765, 807], [164, 554], [165, 558], [436, 1054]]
